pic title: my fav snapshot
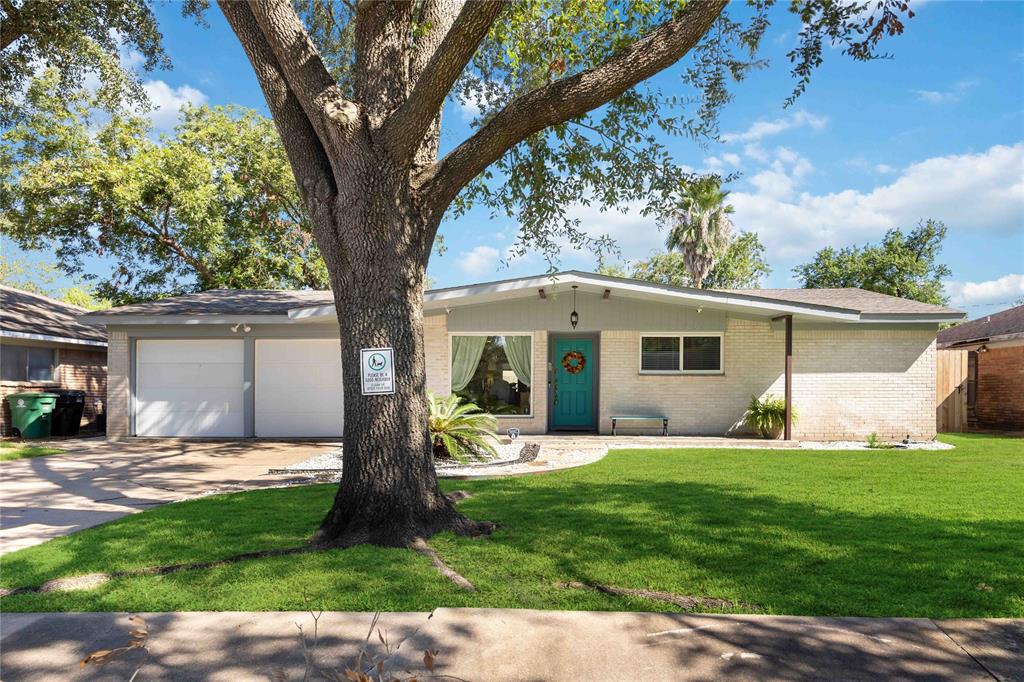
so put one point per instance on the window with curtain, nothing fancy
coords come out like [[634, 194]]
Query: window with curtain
[[681, 354], [24, 363], [494, 372]]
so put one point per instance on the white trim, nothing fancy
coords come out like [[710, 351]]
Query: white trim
[[51, 339], [533, 367], [118, 320], [682, 367]]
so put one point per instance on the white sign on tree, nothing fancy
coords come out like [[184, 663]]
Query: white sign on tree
[[378, 370]]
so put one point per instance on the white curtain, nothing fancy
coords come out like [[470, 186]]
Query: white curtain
[[466, 354], [517, 350]]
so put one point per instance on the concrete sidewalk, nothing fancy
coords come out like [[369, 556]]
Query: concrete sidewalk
[[509, 644]]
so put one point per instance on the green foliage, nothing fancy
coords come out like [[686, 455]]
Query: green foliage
[[460, 430], [743, 266], [213, 205], [41, 278], [701, 229], [767, 415], [875, 444], [11, 451], [78, 38], [900, 265], [799, 532]]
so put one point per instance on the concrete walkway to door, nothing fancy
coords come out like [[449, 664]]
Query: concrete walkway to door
[[98, 480]]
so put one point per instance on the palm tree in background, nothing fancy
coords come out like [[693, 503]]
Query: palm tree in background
[[701, 228]]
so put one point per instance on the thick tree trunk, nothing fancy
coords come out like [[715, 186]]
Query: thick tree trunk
[[388, 493]]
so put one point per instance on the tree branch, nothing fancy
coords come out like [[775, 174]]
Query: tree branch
[[11, 28], [567, 99], [333, 117], [306, 155], [407, 126]]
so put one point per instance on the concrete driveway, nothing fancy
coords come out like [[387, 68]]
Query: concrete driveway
[[98, 480]]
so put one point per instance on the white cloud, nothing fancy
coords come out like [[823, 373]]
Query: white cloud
[[167, 101], [885, 168], [480, 260], [954, 94], [762, 129], [1003, 291], [983, 192]]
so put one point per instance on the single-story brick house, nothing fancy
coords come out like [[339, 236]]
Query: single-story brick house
[[266, 363], [995, 367], [44, 347]]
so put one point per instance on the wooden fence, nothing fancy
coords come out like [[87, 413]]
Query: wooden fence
[[951, 390]]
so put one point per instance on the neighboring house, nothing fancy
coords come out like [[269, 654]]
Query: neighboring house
[[266, 363], [43, 346], [994, 379]]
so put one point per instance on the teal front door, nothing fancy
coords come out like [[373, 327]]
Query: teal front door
[[574, 367]]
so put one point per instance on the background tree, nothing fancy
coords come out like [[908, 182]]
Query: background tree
[[214, 205], [900, 265], [742, 266], [78, 38], [701, 229], [41, 277]]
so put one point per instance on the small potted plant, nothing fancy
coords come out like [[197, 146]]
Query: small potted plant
[[767, 416]]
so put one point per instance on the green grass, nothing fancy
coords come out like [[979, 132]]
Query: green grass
[[881, 533], [11, 450]]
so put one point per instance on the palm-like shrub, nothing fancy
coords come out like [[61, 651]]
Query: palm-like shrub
[[767, 415], [701, 228], [460, 430]]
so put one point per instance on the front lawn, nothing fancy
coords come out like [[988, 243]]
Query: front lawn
[[16, 450], [885, 533]]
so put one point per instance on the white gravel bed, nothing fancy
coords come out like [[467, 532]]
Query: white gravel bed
[[862, 445], [331, 461]]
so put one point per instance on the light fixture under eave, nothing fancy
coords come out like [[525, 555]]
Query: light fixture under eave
[[574, 317]]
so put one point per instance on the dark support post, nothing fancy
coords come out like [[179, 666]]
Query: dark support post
[[788, 431]]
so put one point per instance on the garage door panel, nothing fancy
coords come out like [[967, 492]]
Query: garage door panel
[[190, 387], [298, 388]]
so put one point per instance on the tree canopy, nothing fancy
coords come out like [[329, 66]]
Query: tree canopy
[[213, 205], [903, 265], [41, 277], [742, 266]]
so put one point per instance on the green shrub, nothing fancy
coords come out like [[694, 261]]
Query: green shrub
[[767, 415], [876, 444], [460, 430]]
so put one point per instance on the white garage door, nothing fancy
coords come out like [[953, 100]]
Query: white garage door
[[298, 388], [189, 388]]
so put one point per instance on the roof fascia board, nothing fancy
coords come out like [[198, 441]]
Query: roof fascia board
[[183, 319], [52, 339], [312, 313]]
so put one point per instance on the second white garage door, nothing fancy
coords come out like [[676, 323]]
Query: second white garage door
[[298, 388]]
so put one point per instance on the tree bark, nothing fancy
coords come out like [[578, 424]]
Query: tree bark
[[388, 493]]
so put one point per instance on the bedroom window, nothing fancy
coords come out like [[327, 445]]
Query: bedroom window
[[25, 363], [681, 354], [494, 372]]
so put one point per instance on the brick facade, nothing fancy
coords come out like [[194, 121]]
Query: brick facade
[[849, 380], [78, 369], [1000, 402]]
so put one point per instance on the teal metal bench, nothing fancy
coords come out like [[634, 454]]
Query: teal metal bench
[[641, 418]]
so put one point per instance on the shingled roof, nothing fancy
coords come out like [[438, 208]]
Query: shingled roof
[[226, 302], [997, 326], [849, 298], [34, 316]]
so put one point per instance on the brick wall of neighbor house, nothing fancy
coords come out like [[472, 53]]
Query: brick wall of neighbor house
[[118, 395], [77, 370], [1000, 403], [847, 382]]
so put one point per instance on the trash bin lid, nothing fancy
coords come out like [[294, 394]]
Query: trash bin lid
[[33, 395]]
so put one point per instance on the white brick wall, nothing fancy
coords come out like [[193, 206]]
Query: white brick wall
[[118, 390], [847, 382]]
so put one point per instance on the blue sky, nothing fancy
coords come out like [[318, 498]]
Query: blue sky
[[935, 132]]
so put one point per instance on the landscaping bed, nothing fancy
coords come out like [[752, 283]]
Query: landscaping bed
[[880, 533]]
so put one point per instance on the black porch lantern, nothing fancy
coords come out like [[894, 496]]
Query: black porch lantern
[[574, 317]]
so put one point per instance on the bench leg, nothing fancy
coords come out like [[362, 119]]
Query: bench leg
[[613, 427], [664, 427]]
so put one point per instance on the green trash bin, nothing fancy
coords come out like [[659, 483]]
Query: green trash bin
[[30, 413]]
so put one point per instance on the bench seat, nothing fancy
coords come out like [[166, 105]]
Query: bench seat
[[641, 418]]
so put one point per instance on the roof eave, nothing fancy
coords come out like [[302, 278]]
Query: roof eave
[[118, 320], [7, 333]]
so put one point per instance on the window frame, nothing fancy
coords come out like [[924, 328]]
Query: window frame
[[54, 376], [533, 366], [682, 353]]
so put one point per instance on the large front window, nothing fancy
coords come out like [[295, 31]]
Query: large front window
[[25, 363], [494, 372]]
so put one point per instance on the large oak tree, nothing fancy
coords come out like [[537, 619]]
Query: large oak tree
[[562, 119]]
